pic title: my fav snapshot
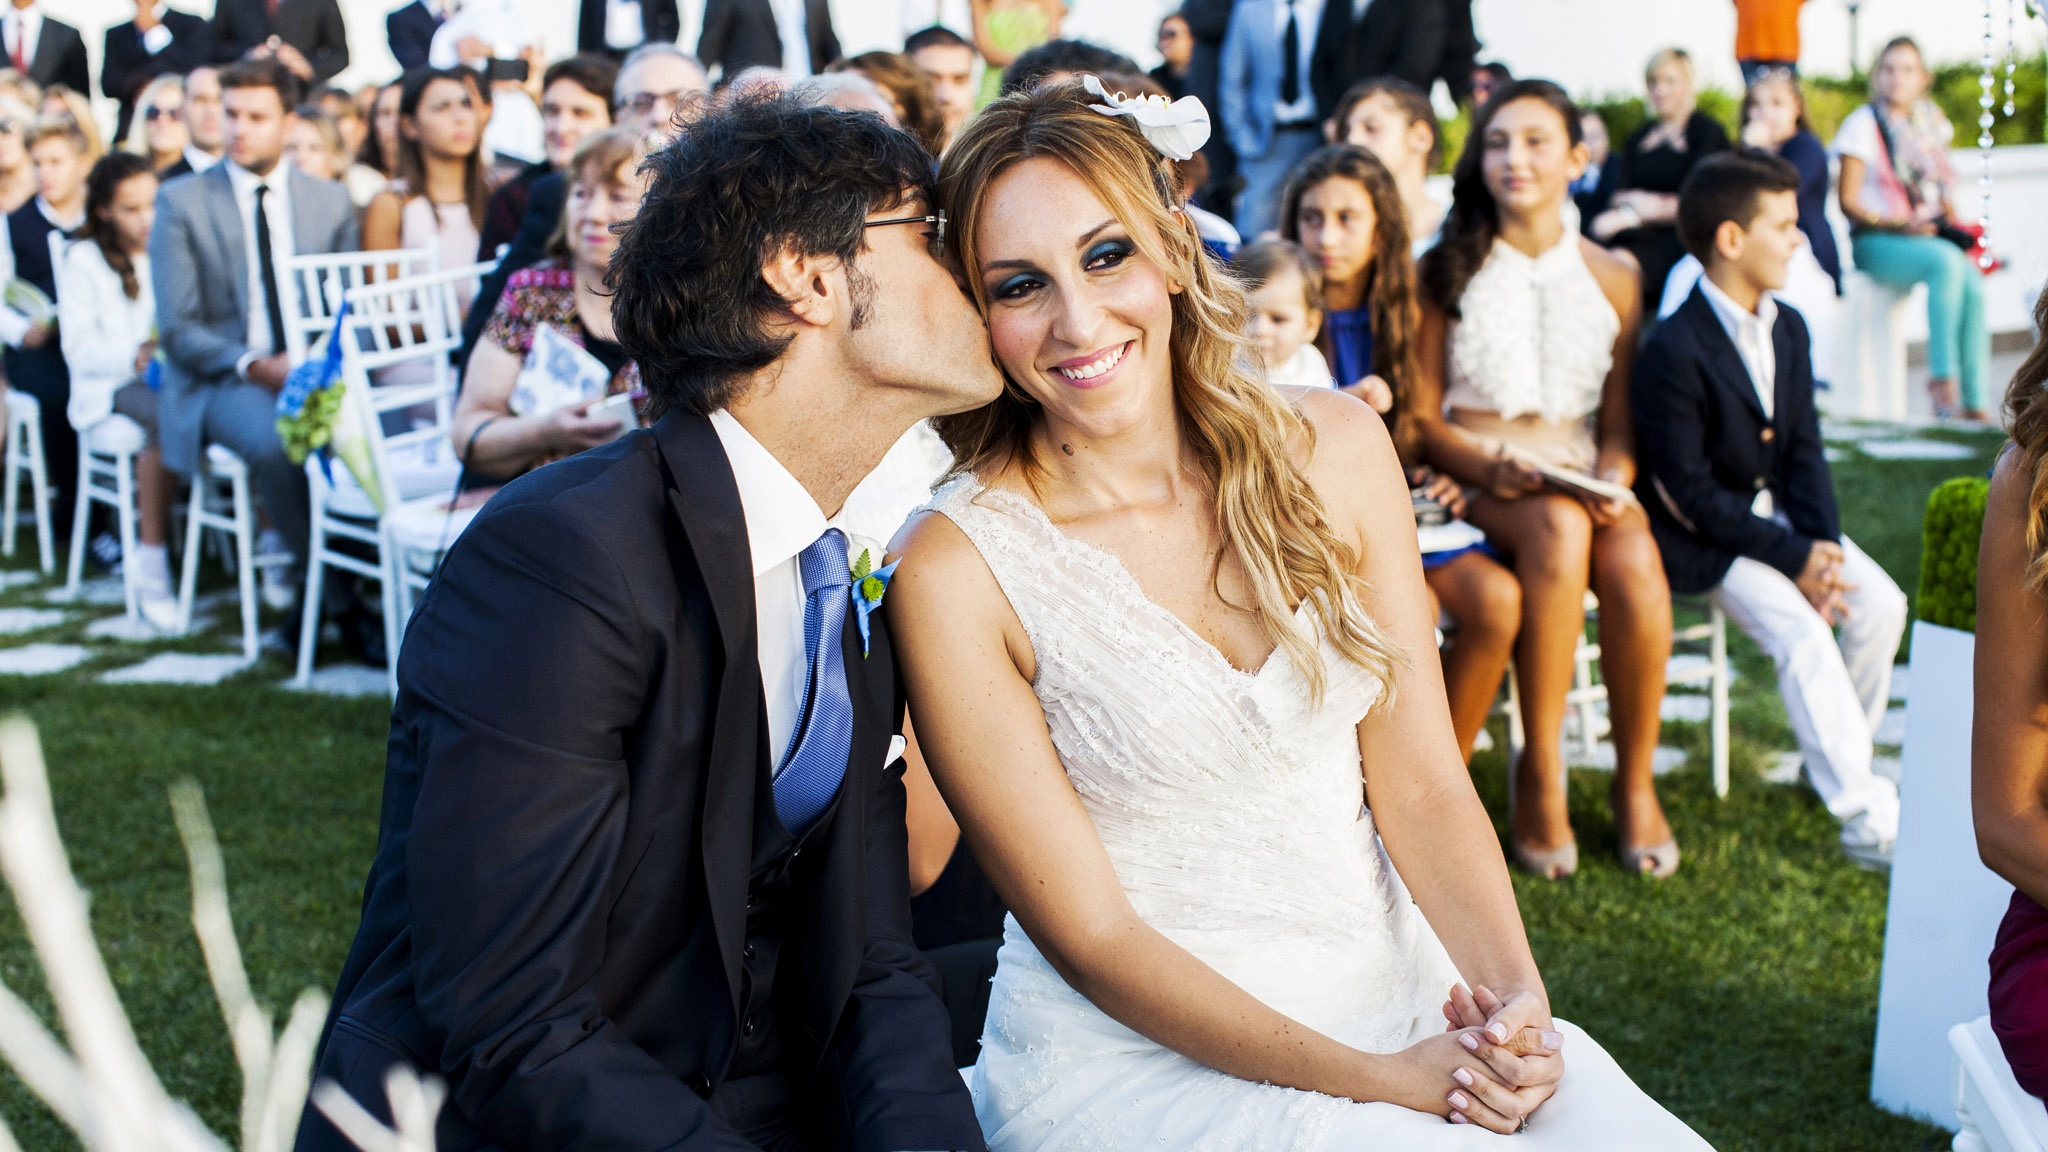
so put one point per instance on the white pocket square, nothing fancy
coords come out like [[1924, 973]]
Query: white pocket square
[[896, 746]]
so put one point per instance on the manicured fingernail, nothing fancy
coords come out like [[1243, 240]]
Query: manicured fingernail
[[1500, 1032], [1458, 1100], [1469, 1041], [1462, 1077], [1552, 1041], [1459, 1118]]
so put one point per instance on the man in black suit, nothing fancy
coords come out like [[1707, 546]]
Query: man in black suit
[[642, 877], [1735, 480], [740, 34], [616, 27], [1401, 38], [44, 48], [142, 49], [306, 36], [410, 32]]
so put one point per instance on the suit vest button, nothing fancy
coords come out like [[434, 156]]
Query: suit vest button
[[698, 1083], [1768, 435], [746, 952], [1758, 484]]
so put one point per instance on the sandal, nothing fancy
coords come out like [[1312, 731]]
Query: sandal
[[1656, 861], [1551, 864]]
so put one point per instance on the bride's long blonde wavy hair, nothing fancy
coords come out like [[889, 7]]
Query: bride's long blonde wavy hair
[[1242, 434]]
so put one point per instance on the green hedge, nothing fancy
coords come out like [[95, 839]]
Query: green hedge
[[1948, 553]]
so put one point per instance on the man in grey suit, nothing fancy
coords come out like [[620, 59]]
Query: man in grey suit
[[217, 257]]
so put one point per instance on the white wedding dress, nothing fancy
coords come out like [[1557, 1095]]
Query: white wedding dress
[[1232, 811]]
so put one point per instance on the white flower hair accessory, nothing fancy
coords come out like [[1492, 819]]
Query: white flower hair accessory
[[1178, 129]]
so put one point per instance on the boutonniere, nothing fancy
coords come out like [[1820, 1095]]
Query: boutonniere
[[869, 585]]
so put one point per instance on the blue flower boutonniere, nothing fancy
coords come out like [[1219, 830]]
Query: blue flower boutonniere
[[869, 584]]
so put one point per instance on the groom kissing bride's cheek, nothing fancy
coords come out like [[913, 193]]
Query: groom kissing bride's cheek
[[641, 880]]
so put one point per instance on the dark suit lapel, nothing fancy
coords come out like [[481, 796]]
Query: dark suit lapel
[[1790, 376], [50, 48], [1723, 362], [707, 502]]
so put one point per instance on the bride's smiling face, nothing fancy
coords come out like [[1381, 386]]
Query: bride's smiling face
[[1080, 318]]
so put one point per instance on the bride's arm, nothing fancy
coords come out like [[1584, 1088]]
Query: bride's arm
[[1420, 792], [968, 664]]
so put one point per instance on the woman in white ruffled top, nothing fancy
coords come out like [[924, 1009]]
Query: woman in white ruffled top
[[1528, 335]]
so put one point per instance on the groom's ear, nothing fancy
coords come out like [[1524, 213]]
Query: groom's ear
[[810, 286]]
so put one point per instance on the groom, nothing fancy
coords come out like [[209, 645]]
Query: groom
[[641, 882]]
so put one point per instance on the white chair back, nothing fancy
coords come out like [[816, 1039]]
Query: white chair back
[[320, 281]]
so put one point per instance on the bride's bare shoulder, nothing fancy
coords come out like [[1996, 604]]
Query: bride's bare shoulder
[[1353, 457], [939, 564]]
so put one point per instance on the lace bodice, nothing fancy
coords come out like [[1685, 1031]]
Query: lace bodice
[[1537, 338]]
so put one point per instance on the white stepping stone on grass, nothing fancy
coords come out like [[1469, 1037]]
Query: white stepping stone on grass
[[1781, 768], [17, 579], [1900, 672], [40, 659], [103, 591], [15, 621], [1893, 729], [1690, 663], [345, 680], [178, 668], [1602, 760], [1913, 448], [1688, 708], [1887, 767]]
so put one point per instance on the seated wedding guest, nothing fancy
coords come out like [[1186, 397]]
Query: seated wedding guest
[[1283, 290], [1487, 79], [1393, 120], [1774, 120], [575, 100], [1176, 45], [160, 41], [949, 60], [908, 89], [1528, 335], [560, 301], [849, 90], [1899, 193], [363, 180], [34, 359], [17, 172], [313, 144], [2009, 744], [1596, 183], [1057, 60], [106, 309], [437, 199], [1005, 30], [63, 103], [203, 123], [1736, 485], [158, 133], [1343, 208], [380, 143], [1640, 213]]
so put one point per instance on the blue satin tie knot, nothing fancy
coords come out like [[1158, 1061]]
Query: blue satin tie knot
[[815, 764]]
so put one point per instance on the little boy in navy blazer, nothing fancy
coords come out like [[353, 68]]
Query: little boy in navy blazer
[[1736, 484]]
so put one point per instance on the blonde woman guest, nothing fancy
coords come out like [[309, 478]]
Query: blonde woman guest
[[107, 325], [1898, 191], [1642, 212], [1529, 332], [17, 174], [62, 103], [565, 292], [437, 198], [1165, 637], [157, 132]]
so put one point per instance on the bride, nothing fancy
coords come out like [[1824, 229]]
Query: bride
[[1170, 660]]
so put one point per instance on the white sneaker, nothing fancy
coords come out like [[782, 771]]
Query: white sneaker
[[273, 581], [159, 608]]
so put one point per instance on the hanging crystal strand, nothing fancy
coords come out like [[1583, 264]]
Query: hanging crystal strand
[[2012, 41], [1985, 79]]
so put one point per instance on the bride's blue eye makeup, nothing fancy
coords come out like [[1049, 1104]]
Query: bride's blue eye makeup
[[1107, 254], [1014, 287]]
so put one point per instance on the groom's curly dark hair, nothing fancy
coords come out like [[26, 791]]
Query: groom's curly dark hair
[[690, 306]]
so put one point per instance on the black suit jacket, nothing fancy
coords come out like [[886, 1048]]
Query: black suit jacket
[[60, 58], [410, 32], [126, 67], [1404, 38], [555, 918], [314, 27], [658, 21], [1705, 449], [741, 33]]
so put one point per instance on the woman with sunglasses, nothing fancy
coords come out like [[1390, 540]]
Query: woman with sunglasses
[[158, 132]]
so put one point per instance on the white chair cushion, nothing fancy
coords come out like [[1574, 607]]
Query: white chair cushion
[[419, 529], [224, 462], [117, 435], [23, 406]]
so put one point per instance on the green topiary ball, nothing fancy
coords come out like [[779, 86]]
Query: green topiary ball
[[1948, 552]]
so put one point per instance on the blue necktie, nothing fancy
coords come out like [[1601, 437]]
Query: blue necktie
[[816, 761]]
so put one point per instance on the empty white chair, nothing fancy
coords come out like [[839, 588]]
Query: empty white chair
[[1995, 1113], [220, 503], [25, 458], [106, 475]]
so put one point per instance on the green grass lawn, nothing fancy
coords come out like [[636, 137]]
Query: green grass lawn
[[1742, 993]]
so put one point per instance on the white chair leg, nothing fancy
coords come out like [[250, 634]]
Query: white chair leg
[[195, 533], [309, 611], [12, 498], [1718, 697], [245, 572], [124, 520], [74, 565], [1518, 737], [39, 483]]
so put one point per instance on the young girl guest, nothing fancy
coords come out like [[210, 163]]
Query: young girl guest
[[17, 175], [1341, 205], [158, 130], [437, 198], [1897, 189], [2009, 746], [35, 362], [1527, 336], [565, 292], [107, 321], [1284, 290], [1642, 213], [1774, 120], [1393, 120], [313, 144]]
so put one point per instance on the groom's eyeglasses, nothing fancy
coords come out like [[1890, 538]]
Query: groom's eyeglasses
[[936, 244]]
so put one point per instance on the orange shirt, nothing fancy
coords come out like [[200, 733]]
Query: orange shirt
[[1767, 30]]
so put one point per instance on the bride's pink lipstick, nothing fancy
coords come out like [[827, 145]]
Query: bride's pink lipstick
[[1105, 361]]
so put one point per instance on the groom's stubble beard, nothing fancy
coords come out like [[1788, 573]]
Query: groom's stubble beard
[[909, 354]]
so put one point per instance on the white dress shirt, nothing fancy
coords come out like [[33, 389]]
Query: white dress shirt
[[1751, 332], [100, 327], [624, 29], [277, 209], [23, 26], [13, 325], [792, 27], [1307, 15], [158, 37], [199, 159]]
